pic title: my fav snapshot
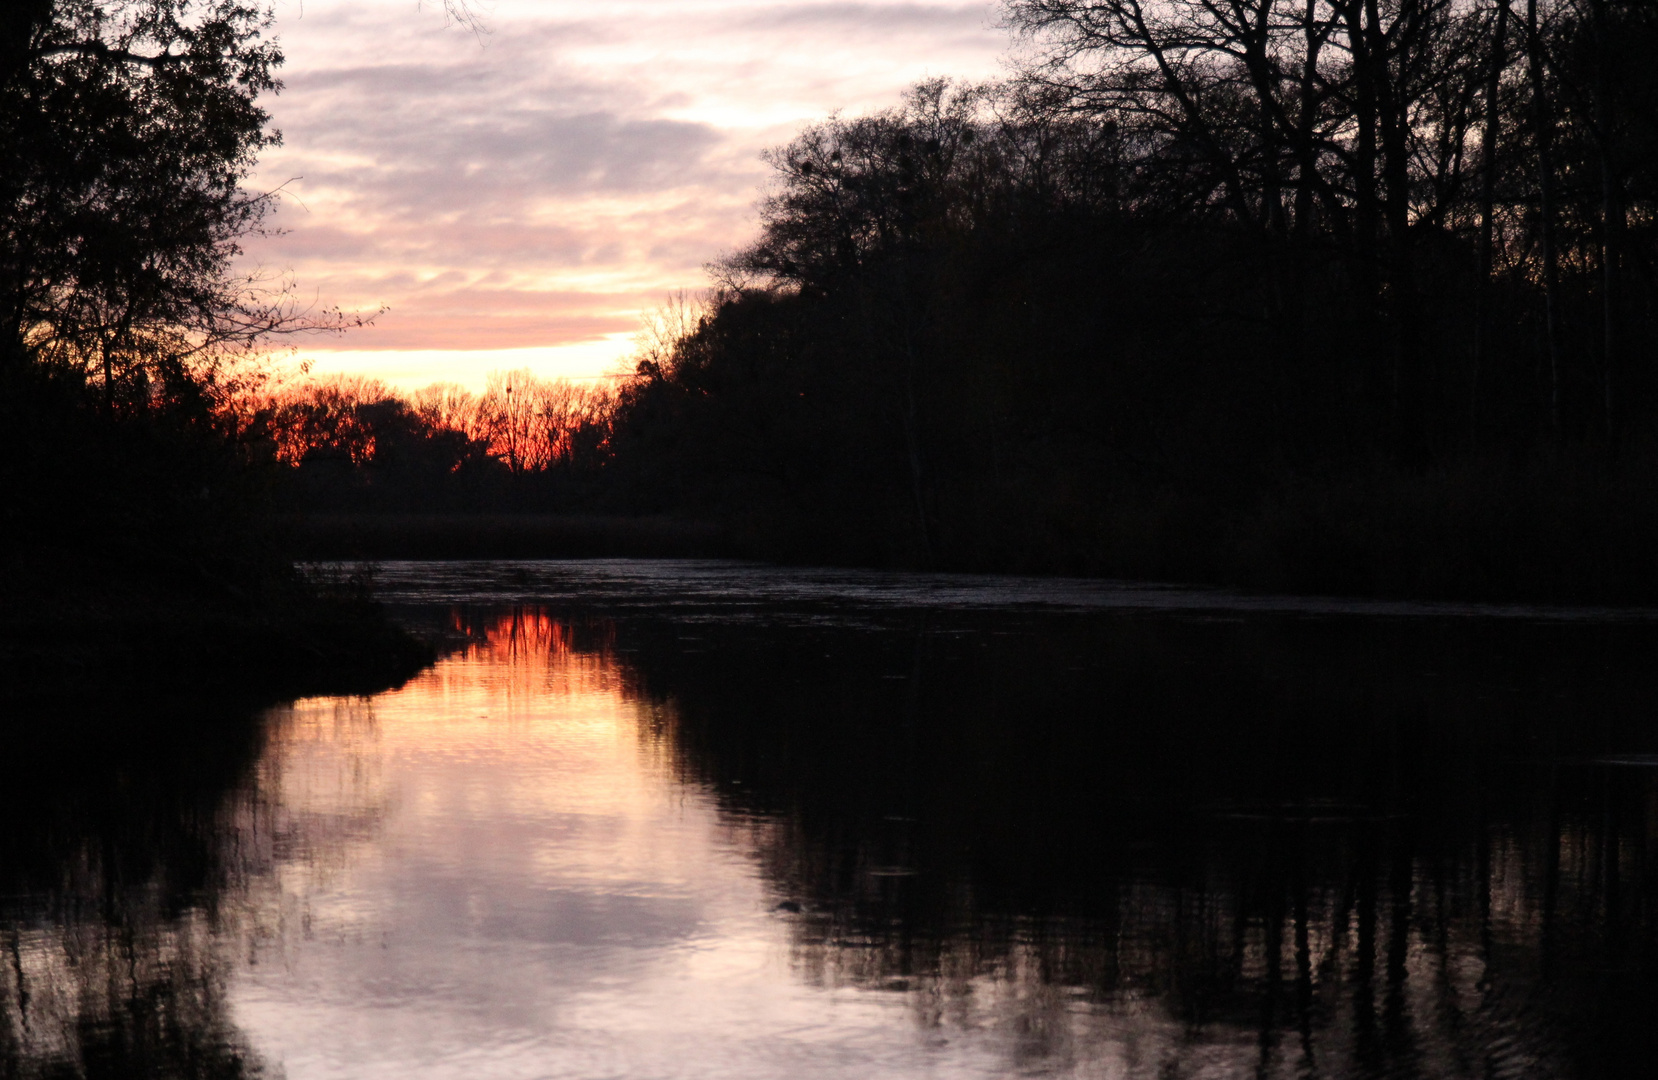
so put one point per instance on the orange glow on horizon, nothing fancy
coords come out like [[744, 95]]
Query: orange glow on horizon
[[525, 423]]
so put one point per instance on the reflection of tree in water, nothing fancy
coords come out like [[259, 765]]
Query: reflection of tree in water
[[113, 877], [532, 651], [134, 871], [318, 800], [1145, 848], [140, 995]]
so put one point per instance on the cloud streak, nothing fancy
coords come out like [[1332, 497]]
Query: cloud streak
[[542, 188]]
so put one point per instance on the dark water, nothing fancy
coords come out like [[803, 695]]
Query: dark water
[[691, 819]]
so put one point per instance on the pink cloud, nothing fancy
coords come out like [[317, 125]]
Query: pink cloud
[[544, 186]]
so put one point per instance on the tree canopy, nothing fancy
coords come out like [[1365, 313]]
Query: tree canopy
[[127, 128], [1321, 294]]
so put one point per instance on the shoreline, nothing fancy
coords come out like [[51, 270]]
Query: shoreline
[[1414, 543], [167, 647]]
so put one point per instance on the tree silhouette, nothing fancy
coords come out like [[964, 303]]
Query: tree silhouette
[[1340, 295], [128, 129]]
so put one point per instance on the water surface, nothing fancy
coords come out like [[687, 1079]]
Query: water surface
[[708, 820]]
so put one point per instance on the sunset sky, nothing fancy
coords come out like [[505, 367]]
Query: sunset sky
[[522, 198]]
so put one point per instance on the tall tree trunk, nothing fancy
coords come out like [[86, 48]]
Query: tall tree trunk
[[1390, 67], [1612, 223], [20, 22], [1543, 124], [1303, 382], [1366, 212], [1266, 86], [1307, 124], [109, 380], [1488, 197]]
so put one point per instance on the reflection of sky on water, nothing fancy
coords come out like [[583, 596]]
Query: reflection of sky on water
[[491, 873]]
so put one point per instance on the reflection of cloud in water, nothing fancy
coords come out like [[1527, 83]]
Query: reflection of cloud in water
[[525, 890]]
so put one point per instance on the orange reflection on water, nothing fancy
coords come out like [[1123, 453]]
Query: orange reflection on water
[[528, 651], [522, 757]]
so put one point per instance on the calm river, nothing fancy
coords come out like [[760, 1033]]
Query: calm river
[[697, 819]]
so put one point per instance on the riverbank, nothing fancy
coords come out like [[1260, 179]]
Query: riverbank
[[115, 644], [1552, 530]]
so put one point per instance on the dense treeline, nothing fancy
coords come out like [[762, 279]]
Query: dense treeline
[[1344, 295], [354, 444]]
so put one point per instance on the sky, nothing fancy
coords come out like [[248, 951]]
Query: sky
[[525, 196]]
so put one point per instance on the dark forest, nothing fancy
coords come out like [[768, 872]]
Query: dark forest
[[1348, 297]]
